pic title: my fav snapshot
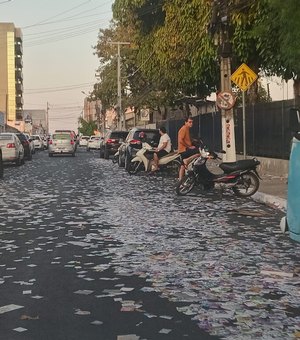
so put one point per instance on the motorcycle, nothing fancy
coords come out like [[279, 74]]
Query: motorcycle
[[241, 176], [143, 160]]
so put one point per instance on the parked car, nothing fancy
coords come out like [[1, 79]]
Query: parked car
[[38, 142], [111, 142], [26, 145], [61, 143], [1, 165], [83, 140], [31, 143], [133, 142], [93, 143], [12, 148]]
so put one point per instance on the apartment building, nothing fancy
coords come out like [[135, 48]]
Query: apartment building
[[11, 75]]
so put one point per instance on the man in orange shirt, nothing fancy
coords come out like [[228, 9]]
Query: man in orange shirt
[[185, 146]]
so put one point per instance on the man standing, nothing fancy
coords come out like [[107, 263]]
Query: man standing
[[185, 146], [164, 147]]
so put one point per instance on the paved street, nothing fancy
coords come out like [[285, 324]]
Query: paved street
[[89, 252]]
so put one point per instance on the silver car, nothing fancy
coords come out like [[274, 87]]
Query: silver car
[[12, 148], [61, 143]]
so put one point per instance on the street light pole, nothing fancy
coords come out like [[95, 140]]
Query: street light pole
[[121, 121]]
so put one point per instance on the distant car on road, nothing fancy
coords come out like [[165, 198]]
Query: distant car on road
[[12, 148], [38, 142], [111, 142], [61, 143], [83, 140], [93, 143]]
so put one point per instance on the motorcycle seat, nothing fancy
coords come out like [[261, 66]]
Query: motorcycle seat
[[239, 165]]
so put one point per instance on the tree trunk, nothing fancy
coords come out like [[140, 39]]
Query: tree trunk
[[296, 87]]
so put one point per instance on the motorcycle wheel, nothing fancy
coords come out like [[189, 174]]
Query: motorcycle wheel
[[174, 167], [247, 185], [134, 167], [185, 185]]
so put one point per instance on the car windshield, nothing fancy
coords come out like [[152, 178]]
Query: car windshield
[[61, 136], [122, 135], [5, 137], [150, 136]]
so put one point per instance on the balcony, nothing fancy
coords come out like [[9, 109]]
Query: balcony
[[19, 61], [18, 49], [19, 74], [19, 101], [19, 88]]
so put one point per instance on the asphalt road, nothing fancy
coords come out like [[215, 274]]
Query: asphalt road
[[90, 252]]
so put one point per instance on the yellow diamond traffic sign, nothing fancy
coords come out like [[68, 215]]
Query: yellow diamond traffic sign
[[244, 77]]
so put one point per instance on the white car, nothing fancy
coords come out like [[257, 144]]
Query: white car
[[38, 142], [61, 143], [12, 148], [94, 143], [83, 140]]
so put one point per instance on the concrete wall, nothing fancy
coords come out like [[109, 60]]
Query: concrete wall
[[272, 166]]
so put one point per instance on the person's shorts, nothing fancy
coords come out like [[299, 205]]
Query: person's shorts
[[188, 153], [161, 153]]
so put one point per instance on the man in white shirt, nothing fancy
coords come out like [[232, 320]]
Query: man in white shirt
[[164, 147]]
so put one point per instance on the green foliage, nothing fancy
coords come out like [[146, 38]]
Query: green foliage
[[87, 128], [172, 54]]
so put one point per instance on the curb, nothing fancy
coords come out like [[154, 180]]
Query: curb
[[272, 201]]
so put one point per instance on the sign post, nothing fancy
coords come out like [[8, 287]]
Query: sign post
[[244, 77]]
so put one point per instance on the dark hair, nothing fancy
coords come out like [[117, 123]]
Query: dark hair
[[163, 129], [188, 118]]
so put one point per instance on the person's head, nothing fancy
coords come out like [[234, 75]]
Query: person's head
[[162, 130], [189, 122]]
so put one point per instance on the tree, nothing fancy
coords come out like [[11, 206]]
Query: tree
[[87, 128]]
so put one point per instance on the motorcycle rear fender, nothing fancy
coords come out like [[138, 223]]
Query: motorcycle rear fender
[[169, 158]]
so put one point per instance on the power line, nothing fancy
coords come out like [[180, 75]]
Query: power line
[[55, 16]]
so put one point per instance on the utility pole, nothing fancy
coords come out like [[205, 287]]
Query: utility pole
[[47, 119], [121, 121], [219, 28]]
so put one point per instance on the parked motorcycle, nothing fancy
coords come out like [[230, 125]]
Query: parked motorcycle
[[143, 160], [241, 176]]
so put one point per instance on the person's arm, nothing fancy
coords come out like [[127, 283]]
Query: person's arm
[[162, 147]]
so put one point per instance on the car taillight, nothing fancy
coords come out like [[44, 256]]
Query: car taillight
[[135, 142], [72, 142], [110, 140], [50, 141], [11, 145]]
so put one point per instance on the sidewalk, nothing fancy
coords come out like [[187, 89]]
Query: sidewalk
[[272, 191]]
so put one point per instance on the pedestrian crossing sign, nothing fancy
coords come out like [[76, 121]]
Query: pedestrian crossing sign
[[244, 77]]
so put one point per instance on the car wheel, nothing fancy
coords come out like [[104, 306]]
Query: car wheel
[[106, 154], [1, 166], [120, 162], [127, 162], [50, 154], [88, 149], [18, 161], [101, 153], [73, 154]]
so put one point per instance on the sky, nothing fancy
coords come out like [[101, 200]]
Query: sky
[[58, 59]]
